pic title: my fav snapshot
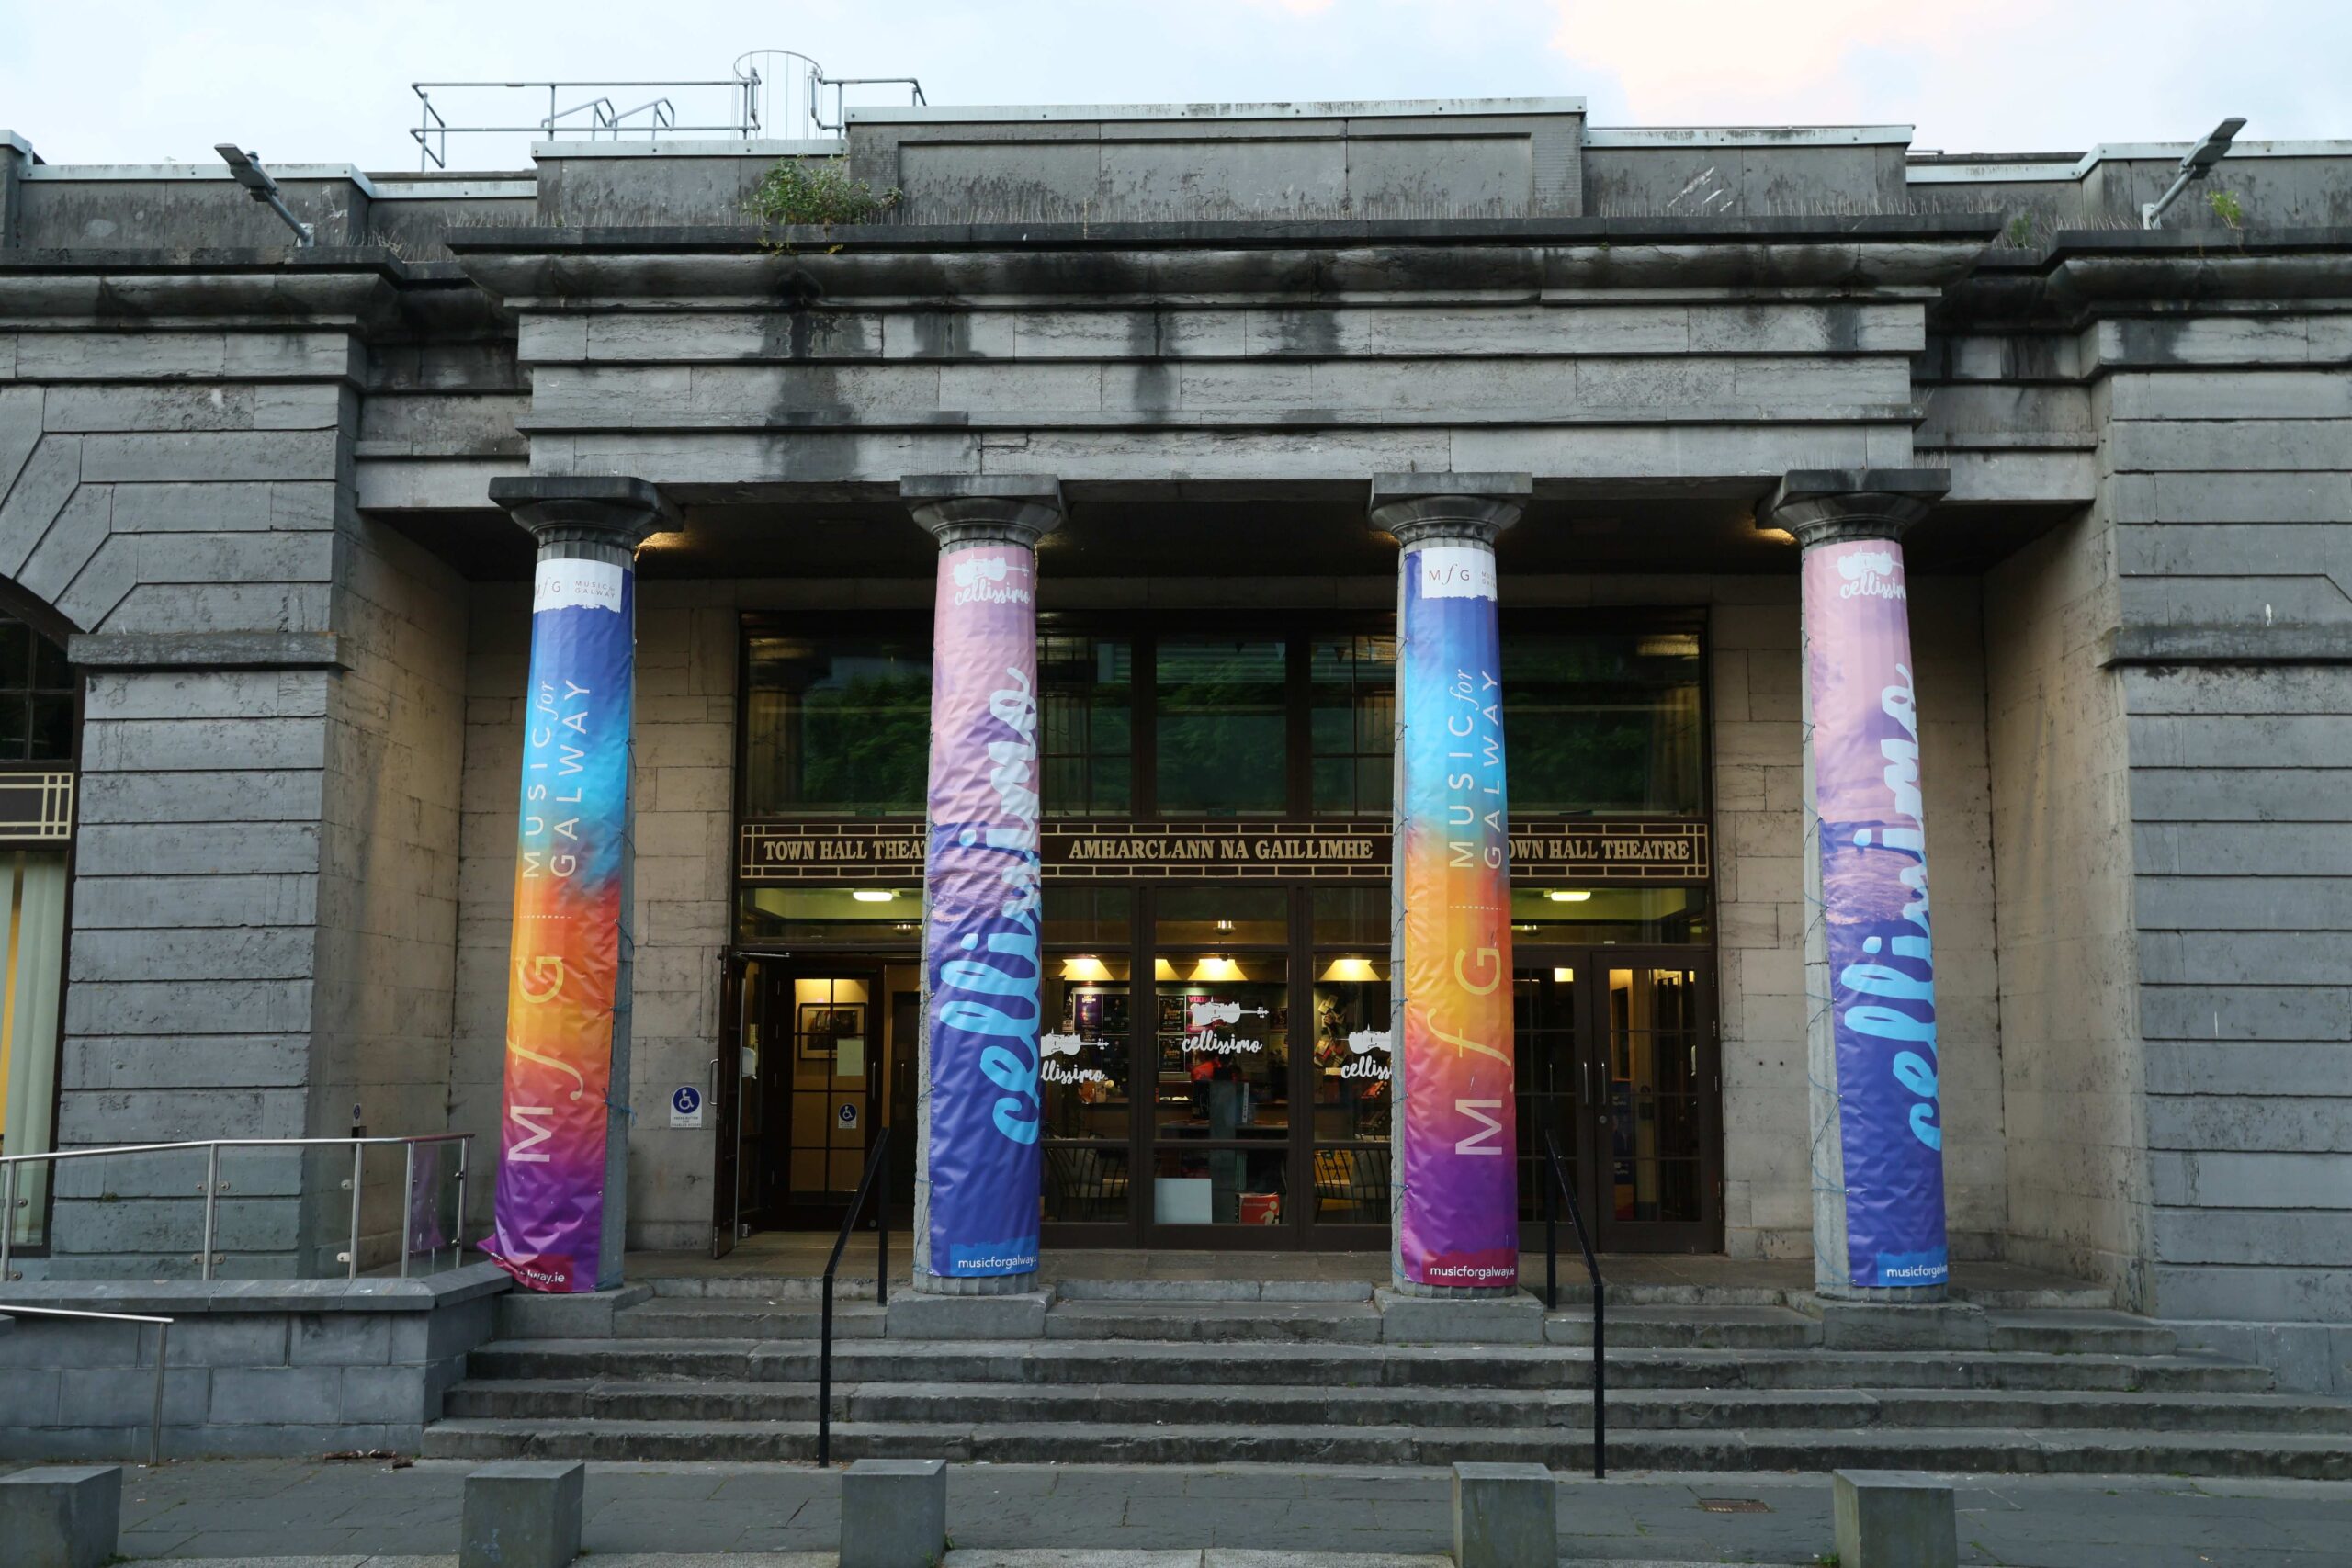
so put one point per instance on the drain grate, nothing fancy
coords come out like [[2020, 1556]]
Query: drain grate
[[1734, 1505]]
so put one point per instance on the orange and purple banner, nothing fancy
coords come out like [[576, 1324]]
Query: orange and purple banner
[[570, 878], [980, 916], [1457, 1220], [1865, 740]]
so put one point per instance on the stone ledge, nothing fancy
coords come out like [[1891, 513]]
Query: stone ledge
[[206, 651], [171, 1297]]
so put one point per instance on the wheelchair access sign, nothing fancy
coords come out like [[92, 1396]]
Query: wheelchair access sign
[[686, 1106]]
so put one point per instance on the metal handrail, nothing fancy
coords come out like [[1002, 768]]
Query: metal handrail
[[881, 1285], [1559, 1177], [604, 118], [163, 1358], [212, 1187]]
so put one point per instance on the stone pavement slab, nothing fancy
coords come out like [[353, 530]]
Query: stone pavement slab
[[364, 1515]]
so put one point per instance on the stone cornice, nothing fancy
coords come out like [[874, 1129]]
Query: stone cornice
[[1167, 264], [66, 290], [2082, 276]]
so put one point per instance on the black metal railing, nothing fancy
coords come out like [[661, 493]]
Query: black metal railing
[[875, 1167], [1556, 1178]]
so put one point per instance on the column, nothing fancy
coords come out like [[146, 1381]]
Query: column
[[561, 1195], [1877, 1125], [1454, 1181], [978, 1175]]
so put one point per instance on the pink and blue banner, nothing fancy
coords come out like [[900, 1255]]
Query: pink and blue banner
[[568, 881], [980, 916], [1874, 910], [1457, 1222]]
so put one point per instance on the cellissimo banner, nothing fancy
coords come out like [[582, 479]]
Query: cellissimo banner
[[1458, 1219], [566, 946], [1874, 910], [980, 916]]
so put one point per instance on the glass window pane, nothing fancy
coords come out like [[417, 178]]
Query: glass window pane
[[1083, 1061], [1353, 722], [1087, 1183], [1088, 917], [1570, 916], [1086, 687], [16, 725], [16, 654], [1355, 916], [1223, 727], [1352, 1185], [832, 917], [837, 725], [1603, 722], [51, 672], [1223, 1186], [51, 737], [1223, 1026], [1186, 915], [1352, 1048]]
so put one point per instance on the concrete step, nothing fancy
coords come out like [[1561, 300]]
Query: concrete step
[[1276, 1363], [1708, 1327], [1123, 1404], [2289, 1456], [2070, 1333], [1342, 1321], [727, 1317]]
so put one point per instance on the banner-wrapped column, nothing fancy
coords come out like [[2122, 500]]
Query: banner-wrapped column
[[561, 1195], [1454, 1181], [1877, 1120], [978, 1165]]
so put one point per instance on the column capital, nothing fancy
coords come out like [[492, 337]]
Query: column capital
[[615, 511], [1414, 508], [984, 509], [1826, 506]]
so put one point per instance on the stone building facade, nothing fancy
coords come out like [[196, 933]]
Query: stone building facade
[[247, 494]]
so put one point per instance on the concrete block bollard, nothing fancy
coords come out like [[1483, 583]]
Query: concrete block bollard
[[1505, 1515], [522, 1513], [1893, 1518], [894, 1513], [60, 1515]]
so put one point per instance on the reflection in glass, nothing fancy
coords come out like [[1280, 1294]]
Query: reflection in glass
[[1186, 916], [1083, 1062], [1223, 725], [1604, 722], [1087, 738], [832, 917], [836, 723], [1353, 1066], [1654, 1108], [1569, 916], [1353, 683], [1547, 1073], [1222, 1032]]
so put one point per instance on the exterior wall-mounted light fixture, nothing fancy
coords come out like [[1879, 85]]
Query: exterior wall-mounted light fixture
[[247, 168], [2194, 167]]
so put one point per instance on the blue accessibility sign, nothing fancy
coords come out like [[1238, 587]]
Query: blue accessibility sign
[[686, 1106]]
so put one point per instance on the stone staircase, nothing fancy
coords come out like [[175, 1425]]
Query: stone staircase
[[1719, 1379]]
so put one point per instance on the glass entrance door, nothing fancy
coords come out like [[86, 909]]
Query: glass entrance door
[[1617, 1057]]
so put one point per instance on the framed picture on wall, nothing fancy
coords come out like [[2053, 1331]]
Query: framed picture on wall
[[822, 1025]]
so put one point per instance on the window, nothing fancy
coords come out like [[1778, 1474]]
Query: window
[[37, 692], [1604, 722], [837, 725], [1223, 725], [1087, 688], [1352, 685]]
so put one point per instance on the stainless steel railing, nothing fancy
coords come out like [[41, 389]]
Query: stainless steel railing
[[213, 1187], [163, 1358]]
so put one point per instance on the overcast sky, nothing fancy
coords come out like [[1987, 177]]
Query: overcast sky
[[148, 81]]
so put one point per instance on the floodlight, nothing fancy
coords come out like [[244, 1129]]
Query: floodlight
[[246, 167], [2198, 163]]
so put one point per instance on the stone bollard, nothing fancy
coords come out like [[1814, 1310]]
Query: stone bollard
[[1505, 1515], [522, 1513], [61, 1515], [894, 1513], [1893, 1518]]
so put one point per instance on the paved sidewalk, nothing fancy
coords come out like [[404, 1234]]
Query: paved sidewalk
[[346, 1514]]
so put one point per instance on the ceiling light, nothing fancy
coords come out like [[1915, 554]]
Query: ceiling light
[[1084, 967], [1348, 969], [1563, 976], [1216, 969], [1569, 895], [873, 895]]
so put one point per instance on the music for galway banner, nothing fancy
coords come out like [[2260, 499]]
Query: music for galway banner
[[567, 946], [1457, 1219], [980, 916], [1882, 996]]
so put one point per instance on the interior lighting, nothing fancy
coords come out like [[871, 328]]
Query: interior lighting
[[1085, 966], [1216, 969], [1565, 977], [1569, 895], [1162, 970], [1344, 969], [873, 895]]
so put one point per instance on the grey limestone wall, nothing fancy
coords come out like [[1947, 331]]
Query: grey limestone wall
[[293, 1368], [1760, 826], [2225, 449], [2062, 860]]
